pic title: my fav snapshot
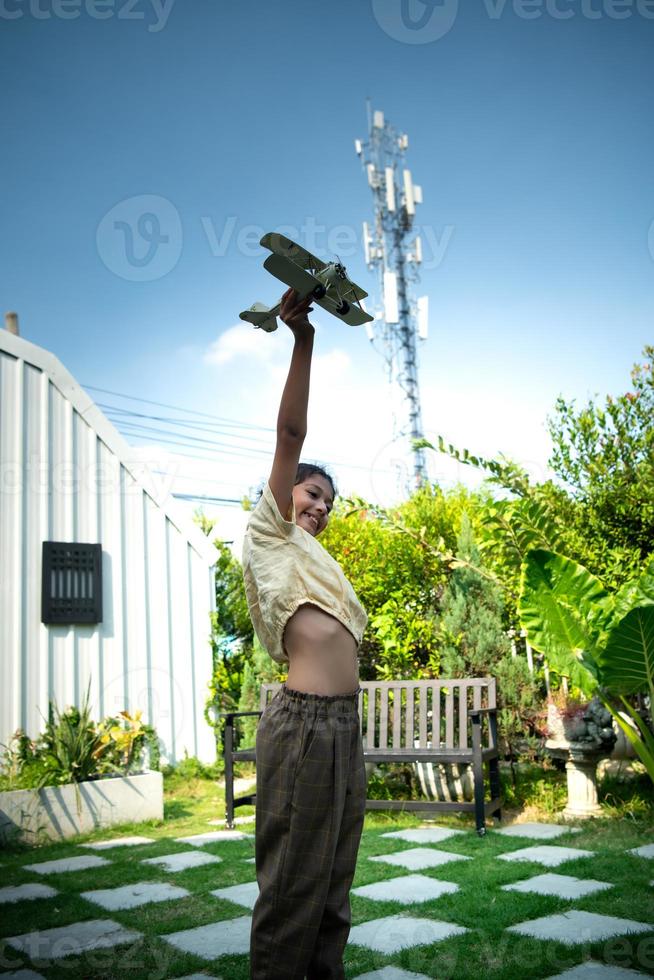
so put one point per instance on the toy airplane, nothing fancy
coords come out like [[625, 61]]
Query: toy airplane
[[326, 282]]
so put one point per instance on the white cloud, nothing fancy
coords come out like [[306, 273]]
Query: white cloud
[[241, 341]]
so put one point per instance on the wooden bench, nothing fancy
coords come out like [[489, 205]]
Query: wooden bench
[[437, 721]]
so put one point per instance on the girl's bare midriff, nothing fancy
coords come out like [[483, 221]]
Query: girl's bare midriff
[[322, 653]]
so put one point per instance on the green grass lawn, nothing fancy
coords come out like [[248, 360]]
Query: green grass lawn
[[486, 950]]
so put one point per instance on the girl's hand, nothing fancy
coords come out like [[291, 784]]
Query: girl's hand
[[293, 313]]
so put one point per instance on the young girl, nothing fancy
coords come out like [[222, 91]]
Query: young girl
[[311, 782]]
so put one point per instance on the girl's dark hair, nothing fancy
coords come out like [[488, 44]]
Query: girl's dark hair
[[305, 470]]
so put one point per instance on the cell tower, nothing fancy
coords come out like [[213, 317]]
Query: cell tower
[[394, 252]]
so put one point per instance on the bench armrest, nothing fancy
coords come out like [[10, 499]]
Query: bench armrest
[[476, 712], [229, 717]]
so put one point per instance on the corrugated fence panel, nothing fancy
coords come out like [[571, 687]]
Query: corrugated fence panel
[[111, 667], [86, 530], [205, 745], [62, 481], [159, 708], [63, 647], [10, 541], [136, 637], [34, 646]]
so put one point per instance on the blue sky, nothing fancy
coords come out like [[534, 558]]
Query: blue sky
[[530, 133]]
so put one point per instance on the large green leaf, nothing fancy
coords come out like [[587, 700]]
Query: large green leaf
[[626, 662], [638, 592], [564, 610]]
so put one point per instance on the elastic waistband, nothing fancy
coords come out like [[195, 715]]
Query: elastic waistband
[[302, 699]]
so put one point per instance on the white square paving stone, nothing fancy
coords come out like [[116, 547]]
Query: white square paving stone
[[22, 975], [592, 970], [245, 894], [216, 939], [417, 858], [68, 864], [198, 976], [218, 822], [578, 927], [395, 932], [78, 937], [646, 851], [406, 890], [537, 831], [391, 973], [131, 896], [424, 835], [551, 856], [562, 886], [183, 860], [213, 836], [104, 845], [23, 893]]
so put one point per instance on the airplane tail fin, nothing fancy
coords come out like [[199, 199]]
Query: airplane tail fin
[[261, 316]]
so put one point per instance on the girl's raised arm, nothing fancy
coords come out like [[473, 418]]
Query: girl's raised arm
[[292, 417]]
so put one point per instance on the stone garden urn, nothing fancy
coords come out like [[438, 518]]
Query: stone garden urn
[[580, 734]]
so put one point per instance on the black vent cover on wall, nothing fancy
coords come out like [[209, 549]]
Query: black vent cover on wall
[[71, 590]]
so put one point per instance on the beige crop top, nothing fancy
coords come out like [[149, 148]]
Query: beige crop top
[[283, 568]]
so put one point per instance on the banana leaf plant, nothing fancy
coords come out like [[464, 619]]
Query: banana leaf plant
[[603, 642]]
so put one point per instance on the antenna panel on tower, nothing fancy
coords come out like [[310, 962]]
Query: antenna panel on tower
[[408, 193], [390, 189], [378, 119], [358, 147], [417, 193]]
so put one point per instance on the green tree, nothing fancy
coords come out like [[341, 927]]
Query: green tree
[[396, 561], [475, 641], [604, 454], [232, 635]]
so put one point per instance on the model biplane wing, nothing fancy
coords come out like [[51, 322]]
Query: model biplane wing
[[326, 282]]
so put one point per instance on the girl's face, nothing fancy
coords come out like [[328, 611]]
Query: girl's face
[[313, 501]]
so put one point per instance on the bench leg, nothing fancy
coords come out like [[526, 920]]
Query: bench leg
[[495, 786], [229, 776], [478, 777]]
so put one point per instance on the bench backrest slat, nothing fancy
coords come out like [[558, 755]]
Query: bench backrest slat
[[425, 714]]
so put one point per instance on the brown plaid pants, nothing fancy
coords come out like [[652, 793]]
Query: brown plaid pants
[[311, 796]]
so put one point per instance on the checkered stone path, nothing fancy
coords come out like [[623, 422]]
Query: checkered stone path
[[646, 851], [104, 845], [386, 936], [552, 857], [22, 975], [395, 932], [424, 835], [217, 939], [23, 893], [406, 890], [67, 864], [183, 860], [131, 896], [199, 840], [590, 970], [537, 831], [578, 927], [78, 937], [245, 894], [562, 886], [391, 973], [417, 858]]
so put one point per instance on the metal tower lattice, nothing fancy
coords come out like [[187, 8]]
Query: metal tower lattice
[[394, 251]]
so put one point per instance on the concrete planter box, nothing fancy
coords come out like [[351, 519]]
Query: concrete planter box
[[59, 812]]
